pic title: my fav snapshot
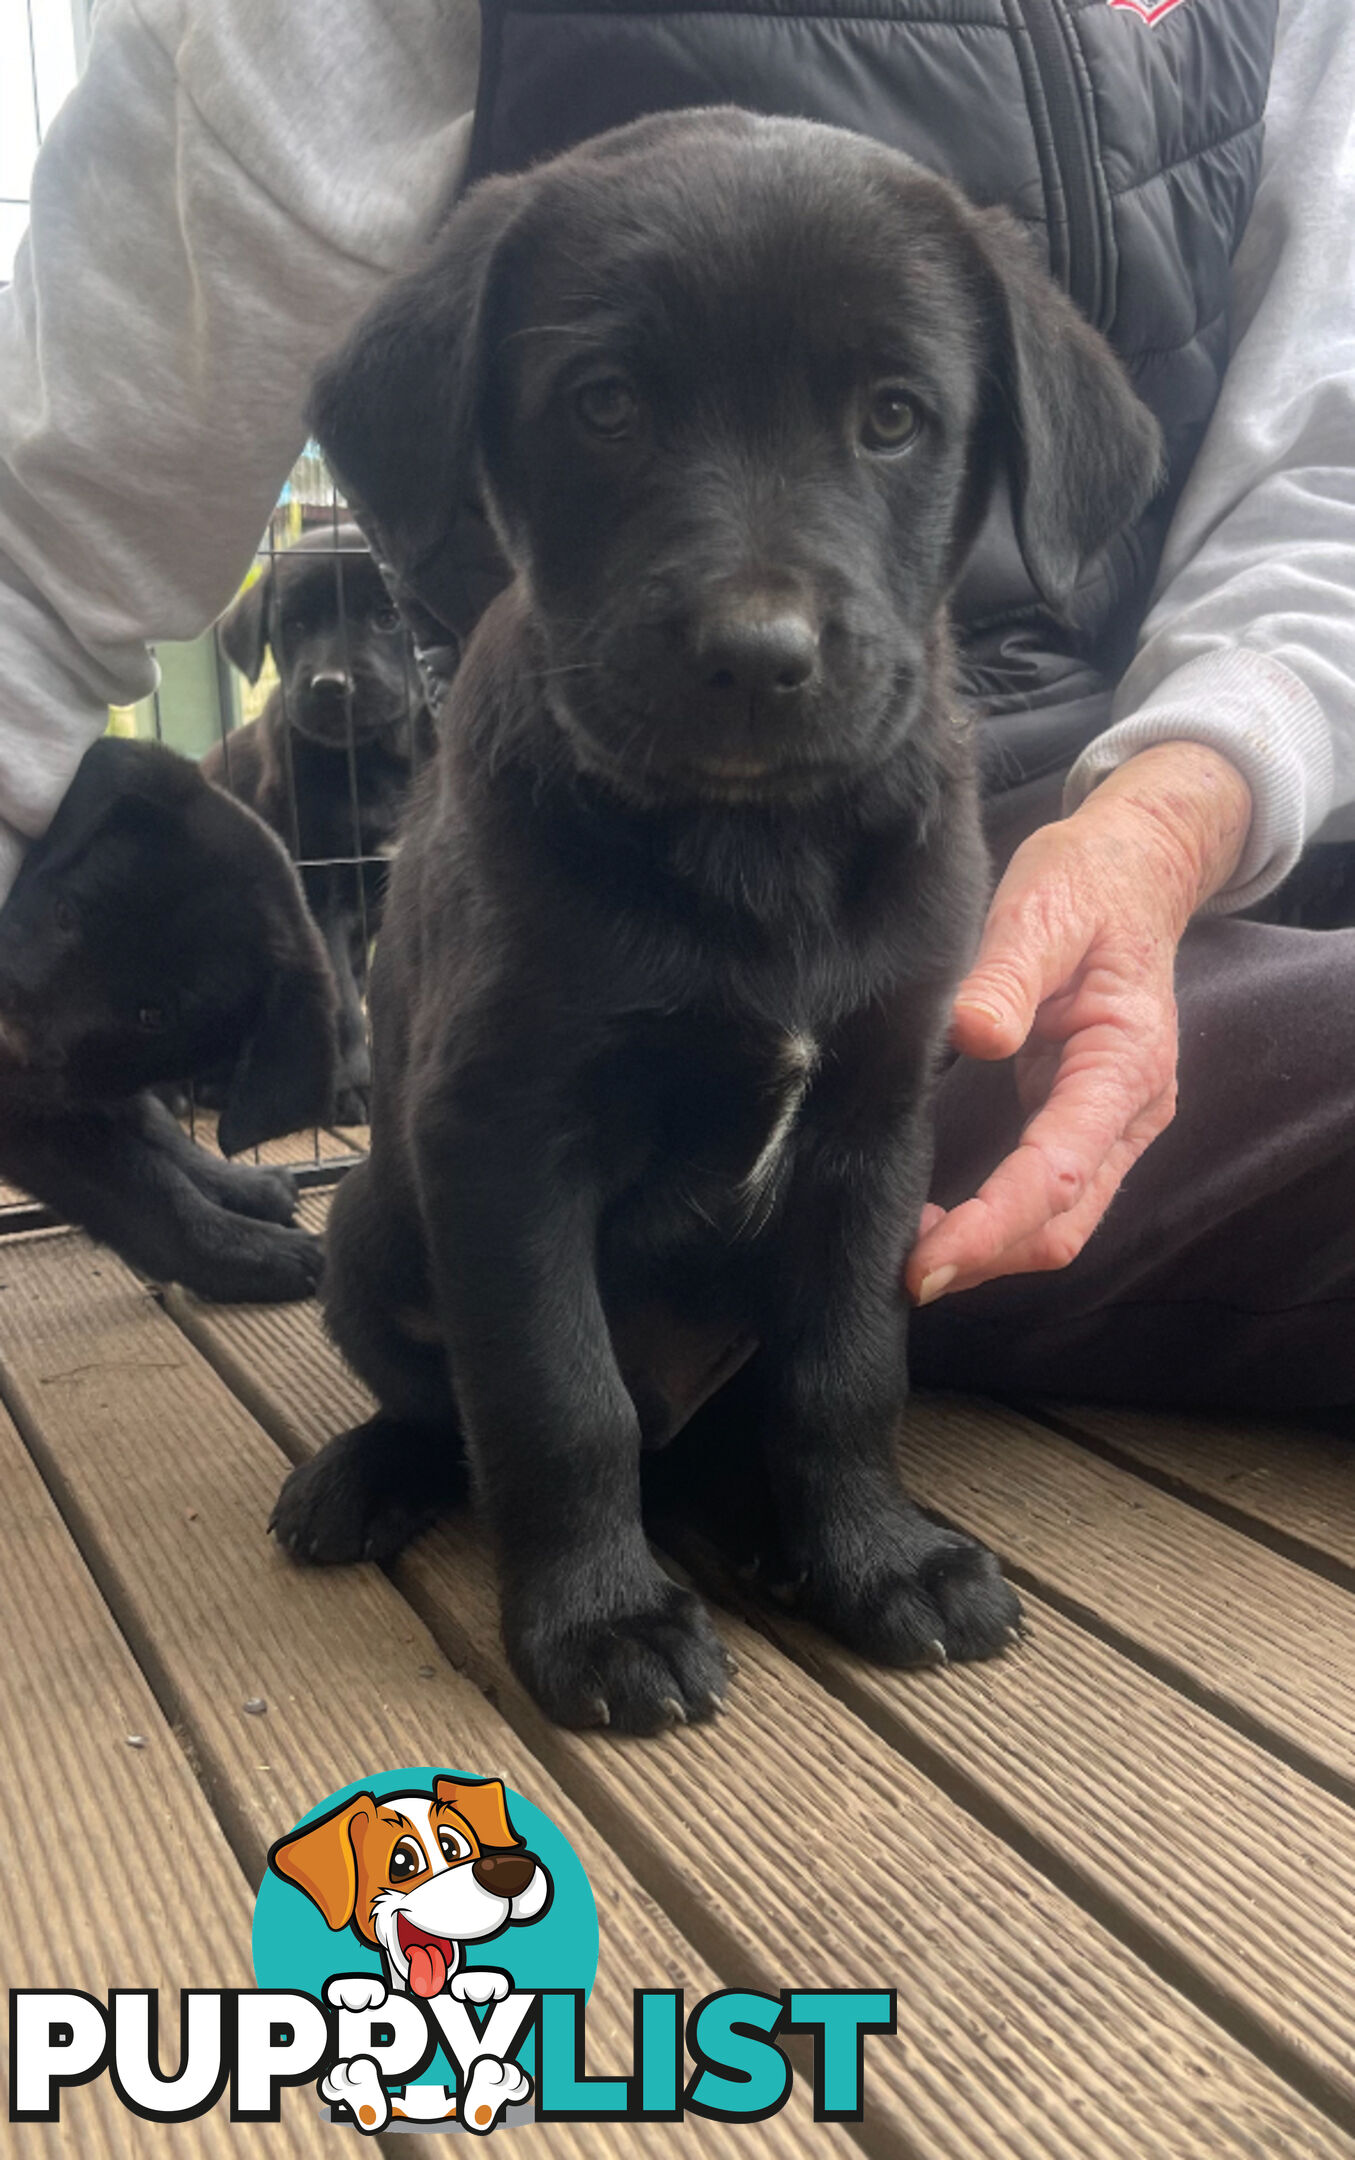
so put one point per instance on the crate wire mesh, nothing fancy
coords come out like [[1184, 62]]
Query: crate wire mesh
[[312, 508]]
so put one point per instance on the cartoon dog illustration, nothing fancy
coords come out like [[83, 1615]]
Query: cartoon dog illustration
[[416, 1876]]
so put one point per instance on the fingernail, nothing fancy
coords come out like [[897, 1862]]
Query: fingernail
[[980, 1005], [936, 1284]]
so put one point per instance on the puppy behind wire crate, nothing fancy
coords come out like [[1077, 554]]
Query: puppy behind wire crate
[[329, 761], [679, 910]]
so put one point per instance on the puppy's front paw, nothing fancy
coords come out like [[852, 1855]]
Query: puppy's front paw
[[366, 1494], [913, 1593], [479, 1984], [233, 1261], [286, 1267], [265, 1194], [646, 1664], [355, 1991]]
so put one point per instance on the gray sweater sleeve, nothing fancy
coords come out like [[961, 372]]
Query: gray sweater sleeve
[[1250, 643], [225, 192]]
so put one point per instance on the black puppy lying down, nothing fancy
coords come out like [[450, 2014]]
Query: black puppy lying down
[[670, 943], [156, 932], [329, 762]]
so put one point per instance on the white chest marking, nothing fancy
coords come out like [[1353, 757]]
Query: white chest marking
[[798, 1056]]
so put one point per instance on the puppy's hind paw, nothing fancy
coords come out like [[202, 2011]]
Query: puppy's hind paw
[[492, 2086], [357, 2086]]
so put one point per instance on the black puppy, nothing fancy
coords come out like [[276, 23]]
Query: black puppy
[[156, 932], [671, 940], [329, 762]]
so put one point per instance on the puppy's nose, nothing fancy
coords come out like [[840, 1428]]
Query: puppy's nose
[[757, 651], [506, 1875], [331, 682]]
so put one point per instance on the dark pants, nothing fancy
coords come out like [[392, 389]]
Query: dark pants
[[1224, 1274]]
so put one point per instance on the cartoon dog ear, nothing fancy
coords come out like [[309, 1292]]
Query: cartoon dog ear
[[1084, 453], [243, 629], [395, 411], [284, 1077], [322, 1860], [482, 1804]]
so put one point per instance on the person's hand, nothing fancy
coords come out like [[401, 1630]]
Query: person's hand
[[1074, 978]]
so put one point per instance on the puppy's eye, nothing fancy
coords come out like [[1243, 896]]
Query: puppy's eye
[[385, 619], [607, 406], [150, 1019], [454, 1848], [65, 918], [892, 421], [406, 1860]]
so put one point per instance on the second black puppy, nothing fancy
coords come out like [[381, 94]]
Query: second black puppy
[[329, 762], [671, 941], [157, 932]]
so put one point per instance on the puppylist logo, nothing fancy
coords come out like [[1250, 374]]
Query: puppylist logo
[[424, 1945]]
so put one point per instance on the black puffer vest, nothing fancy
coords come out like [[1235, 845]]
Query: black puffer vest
[[1126, 134]]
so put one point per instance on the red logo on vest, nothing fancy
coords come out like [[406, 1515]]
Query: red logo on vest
[[1149, 11]]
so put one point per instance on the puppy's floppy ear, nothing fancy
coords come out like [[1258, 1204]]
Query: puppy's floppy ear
[[243, 629], [1084, 453], [482, 1804], [284, 1076], [322, 1859], [395, 410]]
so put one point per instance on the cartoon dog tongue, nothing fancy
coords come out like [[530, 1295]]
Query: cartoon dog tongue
[[427, 1969]]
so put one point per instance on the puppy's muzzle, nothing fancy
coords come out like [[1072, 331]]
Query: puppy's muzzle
[[504, 1875]]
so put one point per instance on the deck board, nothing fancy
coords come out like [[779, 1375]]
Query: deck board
[[1247, 1630], [97, 1375], [73, 1787], [1295, 1479], [1025, 2020], [1226, 1865]]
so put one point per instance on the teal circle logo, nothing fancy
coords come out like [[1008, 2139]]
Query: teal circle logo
[[442, 1887]]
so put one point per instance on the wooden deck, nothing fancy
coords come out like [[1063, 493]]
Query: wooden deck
[[1112, 1875]]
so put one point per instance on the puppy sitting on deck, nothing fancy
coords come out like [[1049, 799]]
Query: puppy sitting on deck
[[672, 938]]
